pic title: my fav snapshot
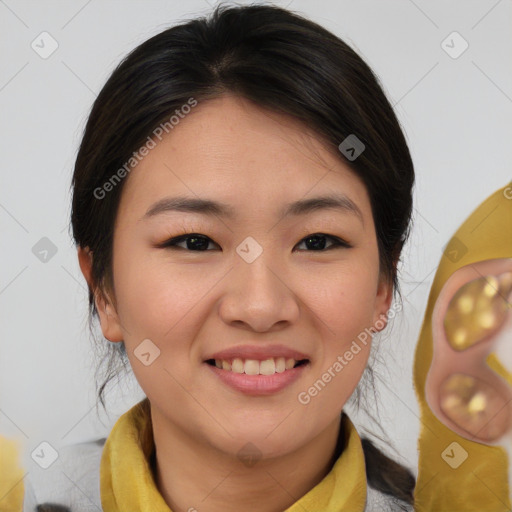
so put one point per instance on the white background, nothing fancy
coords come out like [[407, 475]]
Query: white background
[[456, 114]]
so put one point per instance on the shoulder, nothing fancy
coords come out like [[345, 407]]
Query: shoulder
[[71, 482]]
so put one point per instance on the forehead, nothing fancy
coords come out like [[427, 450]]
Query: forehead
[[229, 149]]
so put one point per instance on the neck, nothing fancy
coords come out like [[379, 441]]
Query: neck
[[193, 476]]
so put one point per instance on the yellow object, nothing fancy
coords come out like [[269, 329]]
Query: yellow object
[[468, 401], [455, 474], [11, 477], [477, 310], [127, 482]]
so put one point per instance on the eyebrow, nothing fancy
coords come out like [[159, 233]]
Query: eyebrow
[[329, 202], [213, 208]]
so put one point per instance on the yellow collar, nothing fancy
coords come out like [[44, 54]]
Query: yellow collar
[[127, 482]]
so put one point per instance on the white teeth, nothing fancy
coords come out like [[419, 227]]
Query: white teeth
[[255, 367], [237, 366], [268, 367], [251, 367]]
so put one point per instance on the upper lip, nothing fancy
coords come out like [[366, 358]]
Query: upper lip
[[258, 352]]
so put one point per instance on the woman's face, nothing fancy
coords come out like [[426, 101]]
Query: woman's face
[[255, 277]]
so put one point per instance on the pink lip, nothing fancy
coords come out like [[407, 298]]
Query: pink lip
[[258, 384], [258, 352]]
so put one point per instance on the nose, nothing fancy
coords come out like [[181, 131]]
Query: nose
[[258, 297]]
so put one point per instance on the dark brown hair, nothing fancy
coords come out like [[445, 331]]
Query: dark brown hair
[[280, 61]]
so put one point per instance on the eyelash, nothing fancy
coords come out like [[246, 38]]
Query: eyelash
[[172, 242]]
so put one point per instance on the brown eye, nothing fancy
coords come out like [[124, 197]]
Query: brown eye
[[317, 242], [193, 242]]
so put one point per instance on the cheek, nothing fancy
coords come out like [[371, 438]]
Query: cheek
[[345, 301], [345, 306], [159, 303], [155, 296]]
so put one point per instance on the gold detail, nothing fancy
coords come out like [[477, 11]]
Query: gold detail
[[477, 310], [466, 401], [486, 319], [459, 337], [477, 404], [491, 288], [466, 303]]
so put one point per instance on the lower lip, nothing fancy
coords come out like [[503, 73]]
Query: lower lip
[[258, 384]]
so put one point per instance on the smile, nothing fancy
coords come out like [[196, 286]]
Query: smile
[[253, 377], [254, 367]]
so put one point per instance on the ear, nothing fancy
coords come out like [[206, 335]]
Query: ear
[[382, 303], [109, 320]]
